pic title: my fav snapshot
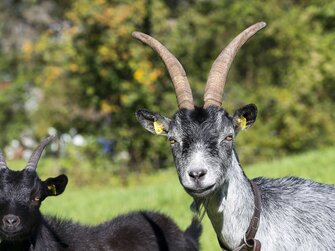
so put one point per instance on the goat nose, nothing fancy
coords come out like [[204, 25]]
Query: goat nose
[[197, 174], [11, 220]]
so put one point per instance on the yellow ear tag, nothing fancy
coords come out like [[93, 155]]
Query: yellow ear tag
[[242, 122], [159, 128], [53, 189]]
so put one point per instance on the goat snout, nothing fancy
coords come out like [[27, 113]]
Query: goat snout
[[197, 174], [11, 221]]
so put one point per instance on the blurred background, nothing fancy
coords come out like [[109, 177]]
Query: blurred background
[[71, 68]]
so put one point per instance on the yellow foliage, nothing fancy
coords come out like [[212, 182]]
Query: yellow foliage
[[108, 53], [138, 75], [103, 51], [42, 43], [153, 76], [70, 31], [27, 49], [73, 67], [52, 73], [124, 30], [103, 72], [146, 75], [115, 108], [123, 98], [114, 16], [106, 107]]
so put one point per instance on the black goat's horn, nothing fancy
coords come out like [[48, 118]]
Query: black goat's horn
[[35, 156]]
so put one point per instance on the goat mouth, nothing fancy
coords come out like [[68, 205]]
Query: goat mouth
[[200, 192], [11, 234]]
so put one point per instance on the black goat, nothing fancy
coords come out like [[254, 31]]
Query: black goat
[[22, 226]]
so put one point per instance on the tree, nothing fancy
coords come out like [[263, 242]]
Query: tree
[[82, 69], [93, 75]]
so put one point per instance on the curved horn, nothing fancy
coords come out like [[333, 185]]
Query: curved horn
[[35, 156], [219, 71], [3, 164], [176, 70]]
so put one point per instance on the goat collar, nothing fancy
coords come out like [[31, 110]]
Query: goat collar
[[249, 243]]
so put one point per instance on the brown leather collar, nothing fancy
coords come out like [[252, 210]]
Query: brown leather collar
[[249, 243]]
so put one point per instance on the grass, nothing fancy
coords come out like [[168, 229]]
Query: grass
[[161, 191], [316, 165]]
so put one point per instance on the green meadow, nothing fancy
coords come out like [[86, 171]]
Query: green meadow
[[92, 204]]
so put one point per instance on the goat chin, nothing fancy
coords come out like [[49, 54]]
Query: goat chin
[[14, 235], [200, 192]]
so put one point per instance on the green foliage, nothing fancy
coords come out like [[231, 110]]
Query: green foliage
[[91, 75], [13, 118], [94, 76]]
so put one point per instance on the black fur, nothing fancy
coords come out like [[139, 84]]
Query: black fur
[[21, 194]]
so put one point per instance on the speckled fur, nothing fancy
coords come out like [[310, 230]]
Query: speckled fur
[[297, 214]]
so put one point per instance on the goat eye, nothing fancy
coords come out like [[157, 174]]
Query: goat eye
[[36, 198], [172, 141], [229, 137]]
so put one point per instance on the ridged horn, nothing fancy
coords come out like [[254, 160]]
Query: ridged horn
[[35, 156], [3, 164], [176, 70], [220, 68]]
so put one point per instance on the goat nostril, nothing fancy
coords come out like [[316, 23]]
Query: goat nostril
[[197, 174], [11, 220]]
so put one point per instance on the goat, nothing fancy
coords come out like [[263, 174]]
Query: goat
[[296, 214], [23, 227]]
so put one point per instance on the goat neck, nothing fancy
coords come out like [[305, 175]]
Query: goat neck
[[231, 207]]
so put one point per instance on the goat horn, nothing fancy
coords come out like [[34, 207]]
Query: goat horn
[[3, 164], [35, 156], [176, 70], [219, 71]]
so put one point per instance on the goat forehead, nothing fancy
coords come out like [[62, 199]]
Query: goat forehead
[[18, 182], [201, 123]]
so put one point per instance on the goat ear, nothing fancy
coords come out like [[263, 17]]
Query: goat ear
[[244, 117], [54, 186], [153, 122]]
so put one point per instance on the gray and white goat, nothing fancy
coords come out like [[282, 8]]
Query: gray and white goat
[[297, 214]]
